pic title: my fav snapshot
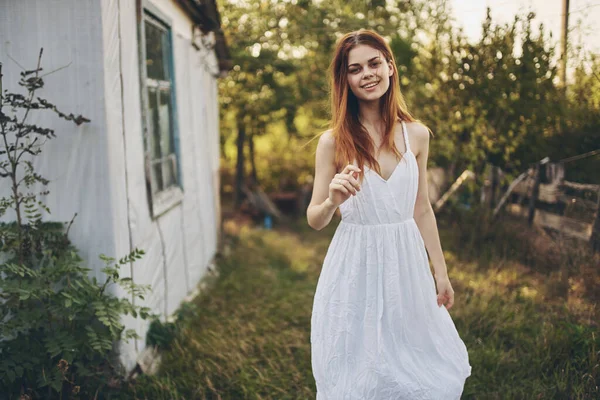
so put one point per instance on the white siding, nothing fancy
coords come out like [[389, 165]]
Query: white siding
[[97, 169]]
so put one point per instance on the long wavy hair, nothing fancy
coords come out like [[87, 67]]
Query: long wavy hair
[[352, 140]]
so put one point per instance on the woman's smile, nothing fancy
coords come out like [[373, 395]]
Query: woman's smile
[[369, 87]]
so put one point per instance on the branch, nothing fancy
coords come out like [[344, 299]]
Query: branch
[[596, 76], [78, 120], [37, 129], [2, 166], [26, 150], [70, 223], [31, 93], [15, 61], [7, 147], [56, 70]]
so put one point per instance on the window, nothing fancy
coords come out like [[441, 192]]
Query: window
[[159, 116]]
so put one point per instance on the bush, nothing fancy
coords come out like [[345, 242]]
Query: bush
[[58, 326], [560, 258]]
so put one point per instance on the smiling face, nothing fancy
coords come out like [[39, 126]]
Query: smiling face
[[368, 73]]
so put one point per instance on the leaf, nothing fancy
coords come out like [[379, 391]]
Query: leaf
[[24, 295]]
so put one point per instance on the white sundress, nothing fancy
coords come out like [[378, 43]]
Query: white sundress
[[377, 332]]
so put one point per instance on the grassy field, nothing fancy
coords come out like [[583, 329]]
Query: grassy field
[[526, 312]]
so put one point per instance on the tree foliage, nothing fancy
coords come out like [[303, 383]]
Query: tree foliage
[[495, 101]]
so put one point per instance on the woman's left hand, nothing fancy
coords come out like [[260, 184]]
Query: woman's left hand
[[445, 292]]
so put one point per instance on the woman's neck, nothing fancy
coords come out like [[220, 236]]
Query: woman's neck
[[370, 117]]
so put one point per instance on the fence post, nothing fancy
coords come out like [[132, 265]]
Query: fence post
[[534, 194], [536, 189]]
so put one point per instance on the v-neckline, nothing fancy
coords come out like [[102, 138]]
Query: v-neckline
[[407, 150], [393, 171]]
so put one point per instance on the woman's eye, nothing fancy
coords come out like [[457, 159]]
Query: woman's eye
[[375, 64]]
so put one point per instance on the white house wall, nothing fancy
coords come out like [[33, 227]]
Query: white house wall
[[179, 244], [76, 162], [195, 236], [84, 164], [117, 172], [193, 80], [97, 169]]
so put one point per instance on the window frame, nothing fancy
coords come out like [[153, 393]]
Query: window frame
[[170, 197]]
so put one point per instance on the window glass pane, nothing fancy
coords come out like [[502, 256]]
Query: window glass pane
[[154, 125], [164, 120], [159, 141], [169, 171], [156, 39]]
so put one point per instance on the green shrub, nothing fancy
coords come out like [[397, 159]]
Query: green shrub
[[58, 325]]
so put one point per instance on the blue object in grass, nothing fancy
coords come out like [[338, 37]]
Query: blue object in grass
[[268, 222]]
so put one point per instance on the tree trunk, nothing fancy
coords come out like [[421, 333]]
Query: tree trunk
[[239, 170], [252, 159], [494, 187], [595, 238], [563, 43]]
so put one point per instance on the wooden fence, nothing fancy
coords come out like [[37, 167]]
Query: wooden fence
[[544, 197]]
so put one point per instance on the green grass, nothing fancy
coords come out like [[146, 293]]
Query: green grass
[[248, 337]]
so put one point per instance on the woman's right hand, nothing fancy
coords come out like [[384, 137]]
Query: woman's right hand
[[344, 185]]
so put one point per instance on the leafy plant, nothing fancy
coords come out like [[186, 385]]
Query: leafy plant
[[58, 325]]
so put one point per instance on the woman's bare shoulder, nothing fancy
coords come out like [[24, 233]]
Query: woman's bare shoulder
[[417, 130], [326, 148], [418, 135], [327, 138], [327, 142]]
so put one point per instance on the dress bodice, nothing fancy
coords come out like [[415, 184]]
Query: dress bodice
[[383, 201]]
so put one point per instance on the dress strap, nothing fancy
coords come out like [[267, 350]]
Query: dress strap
[[405, 134]]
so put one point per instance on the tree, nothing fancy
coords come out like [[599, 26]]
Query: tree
[[486, 102]]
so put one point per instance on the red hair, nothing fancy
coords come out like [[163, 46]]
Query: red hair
[[352, 140]]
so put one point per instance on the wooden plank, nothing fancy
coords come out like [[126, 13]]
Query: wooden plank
[[510, 189], [259, 200], [548, 193], [582, 186], [464, 176], [568, 226], [523, 188], [584, 203]]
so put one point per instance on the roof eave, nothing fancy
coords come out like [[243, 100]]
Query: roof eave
[[206, 16]]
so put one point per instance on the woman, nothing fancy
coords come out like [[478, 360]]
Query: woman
[[377, 329]]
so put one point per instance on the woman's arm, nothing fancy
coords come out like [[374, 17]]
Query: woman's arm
[[425, 218], [327, 195]]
